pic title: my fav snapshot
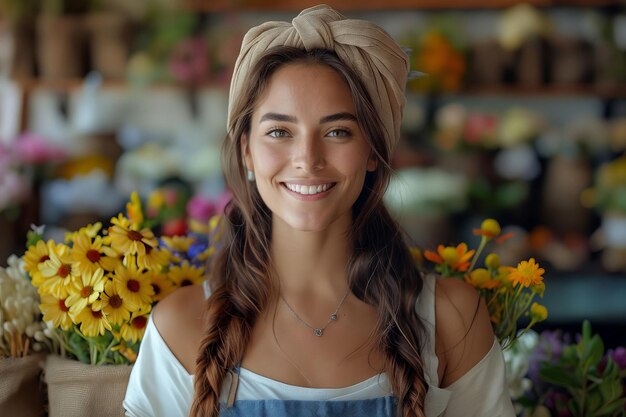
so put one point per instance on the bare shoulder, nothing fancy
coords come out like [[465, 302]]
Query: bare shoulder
[[179, 318], [464, 334]]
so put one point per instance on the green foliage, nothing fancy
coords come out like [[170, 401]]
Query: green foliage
[[595, 388]]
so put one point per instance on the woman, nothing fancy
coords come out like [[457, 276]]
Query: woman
[[314, 307]]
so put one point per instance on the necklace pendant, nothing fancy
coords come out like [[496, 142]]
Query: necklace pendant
[[318, 332], [333, 317]]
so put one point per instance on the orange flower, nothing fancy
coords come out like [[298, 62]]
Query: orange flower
[[458, 258], [526, 274]]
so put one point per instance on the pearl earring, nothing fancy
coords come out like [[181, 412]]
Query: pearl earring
[[250, 175]]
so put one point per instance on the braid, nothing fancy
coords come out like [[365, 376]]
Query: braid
[[385, 277], [240, 292]]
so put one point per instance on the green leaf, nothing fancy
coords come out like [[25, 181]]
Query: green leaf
[[593, 404], [557, 375], [611, 408], [594, 351]]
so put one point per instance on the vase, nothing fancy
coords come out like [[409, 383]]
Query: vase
[[21, 392], [76, 389]]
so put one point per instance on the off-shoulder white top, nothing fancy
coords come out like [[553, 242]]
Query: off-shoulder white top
[[160, 386]]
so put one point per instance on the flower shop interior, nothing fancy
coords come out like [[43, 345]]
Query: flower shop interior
[[512, 155]]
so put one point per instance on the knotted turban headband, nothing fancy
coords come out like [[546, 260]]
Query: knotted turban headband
[[365, 47]]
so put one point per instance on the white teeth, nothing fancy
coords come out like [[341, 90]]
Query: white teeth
[[308, 189]]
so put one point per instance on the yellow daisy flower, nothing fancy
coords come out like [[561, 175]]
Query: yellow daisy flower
[[161, 284], [89, 254], [133, 330], [91, 230], [154, 258], [130, 242], [527, 273], [178, 243], [93, 321], [133, 286], [56, 311], [113, 305], [86, 291], [186, 274], [57, 272], [35, 255]]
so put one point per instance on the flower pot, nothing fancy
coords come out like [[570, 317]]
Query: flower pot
[[21, 391], [76, 389], [60, 47], [109, 43]]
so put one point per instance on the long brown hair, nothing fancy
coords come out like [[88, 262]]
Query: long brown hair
[[380, 270]]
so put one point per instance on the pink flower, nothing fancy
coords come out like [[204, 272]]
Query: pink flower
[[34, 149], [202, 208], [13, 189], [189, 62]]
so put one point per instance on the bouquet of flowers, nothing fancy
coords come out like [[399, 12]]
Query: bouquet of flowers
[[98, 287], [509, 292]]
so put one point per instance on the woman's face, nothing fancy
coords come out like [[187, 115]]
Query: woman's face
[[306, 148]]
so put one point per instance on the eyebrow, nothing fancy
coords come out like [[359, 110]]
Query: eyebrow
[[291, 119]]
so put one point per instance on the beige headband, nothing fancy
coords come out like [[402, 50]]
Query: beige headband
[[365, 47]]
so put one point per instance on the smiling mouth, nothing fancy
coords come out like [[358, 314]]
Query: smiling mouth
[[309, 189]]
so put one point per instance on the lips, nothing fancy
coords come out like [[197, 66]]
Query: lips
[[308, 189]]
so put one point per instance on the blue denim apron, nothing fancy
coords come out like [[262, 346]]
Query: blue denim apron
[[373, 407]]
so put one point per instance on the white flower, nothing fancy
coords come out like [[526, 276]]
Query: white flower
[[19, 306], [516, 359]]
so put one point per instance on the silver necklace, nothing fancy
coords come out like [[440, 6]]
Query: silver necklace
[[317, 331]]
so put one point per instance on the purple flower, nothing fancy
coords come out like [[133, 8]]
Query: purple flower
[[549, 349], [619, 356]]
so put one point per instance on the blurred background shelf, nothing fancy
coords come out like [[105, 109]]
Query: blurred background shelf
[[373, 5]]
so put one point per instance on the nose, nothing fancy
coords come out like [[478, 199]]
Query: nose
[[309, 154]]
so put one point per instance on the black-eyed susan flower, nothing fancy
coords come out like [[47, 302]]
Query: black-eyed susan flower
[[129, 241], [57, 272], [56, 311], [36, 255], [154, 258], [90, 255], [113, 305], [93, 322], [133, 330], [86, 290], [90, 230], [186, 274], [133, 286], [161, 284], [526, 273]]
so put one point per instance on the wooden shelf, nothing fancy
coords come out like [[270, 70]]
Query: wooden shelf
[[507, 90], [604, 92], [365, 5]]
